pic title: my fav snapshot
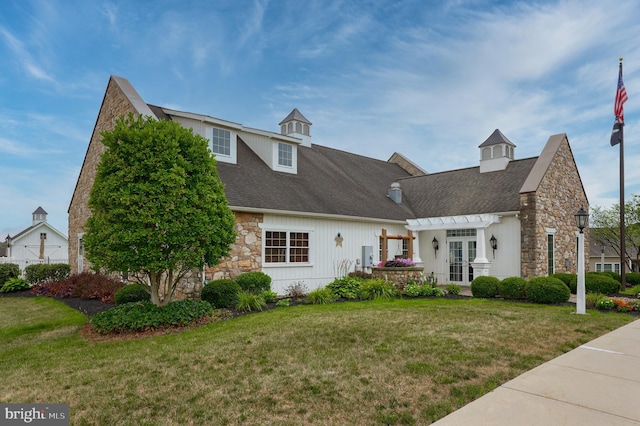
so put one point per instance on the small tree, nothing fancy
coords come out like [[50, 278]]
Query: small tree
[[158, 206]]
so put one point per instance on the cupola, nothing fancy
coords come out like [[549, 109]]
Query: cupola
[[39, 216], [496, 152], [296, 125]]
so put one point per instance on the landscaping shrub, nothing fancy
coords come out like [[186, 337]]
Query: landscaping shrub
[[297, 290], [254, 282], [347, 287], [454, 289], [321, 296], [592, 299], [616, 276], [132, 293], [547, 290], [413, 290], [485, 287], [568, 279], [248, 302], [360, 274], [283, 303], [43, 272], [596, 282], [632, 278], [85, 285], [378, 289], [605, 304], [221, 293], [512, 288], [269, 296], [8, 270], [14, 284], [145, 315]]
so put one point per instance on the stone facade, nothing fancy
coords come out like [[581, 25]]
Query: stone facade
[[246, 252], [551, 209], [114, 105]]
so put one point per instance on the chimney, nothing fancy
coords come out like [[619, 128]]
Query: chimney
[[395, 193]]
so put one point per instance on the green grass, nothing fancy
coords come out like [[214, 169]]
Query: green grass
[[377, 362]]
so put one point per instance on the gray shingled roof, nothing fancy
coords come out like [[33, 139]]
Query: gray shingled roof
[[295, 115], [328, 181], [467, 191], [497, 137]]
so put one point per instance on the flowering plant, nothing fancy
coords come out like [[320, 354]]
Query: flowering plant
[[397, 263]]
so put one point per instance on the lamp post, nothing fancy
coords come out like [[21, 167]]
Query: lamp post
[[582, 218], [602, 256]]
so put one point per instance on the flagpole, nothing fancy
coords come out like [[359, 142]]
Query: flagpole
[[623, 256]]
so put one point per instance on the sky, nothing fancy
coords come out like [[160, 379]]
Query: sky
[[429, 79]]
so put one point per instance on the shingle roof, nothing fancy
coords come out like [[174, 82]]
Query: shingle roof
[[328, 181], [467, 191], [496, 137], [39, 210], [295, 115]]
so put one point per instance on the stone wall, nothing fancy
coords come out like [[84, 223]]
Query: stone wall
[[246, 252], [559, 196], [398, 276], [114, 105]]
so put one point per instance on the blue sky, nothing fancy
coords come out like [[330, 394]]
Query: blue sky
[[429, 79]]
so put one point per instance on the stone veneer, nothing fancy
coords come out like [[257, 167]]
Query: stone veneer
[[398, 276], [246, 252], [552, 206], [114, 105]]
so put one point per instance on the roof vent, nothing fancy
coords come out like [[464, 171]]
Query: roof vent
[[395, 193]]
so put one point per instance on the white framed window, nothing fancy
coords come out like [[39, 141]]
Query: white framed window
[[285, 155], [220, 142], [615, 267], [286, 247], [551, 251]]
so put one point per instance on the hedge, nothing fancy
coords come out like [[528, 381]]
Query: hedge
[[7, 271], [596, 282], [42, 272], [547, 290], [485, 287], [221, 293], [512, 288], [254, 282]]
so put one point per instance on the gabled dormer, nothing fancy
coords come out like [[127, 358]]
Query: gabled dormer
[[295, 124], [496, 152]]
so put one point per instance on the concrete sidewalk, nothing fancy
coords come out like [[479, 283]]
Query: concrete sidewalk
[[597, 383]]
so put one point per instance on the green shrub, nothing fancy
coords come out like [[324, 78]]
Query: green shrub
[[297, 290], [512, 288], [145, 315], [568, 279], [413, 290], [632, 278], [269, 296], [14, 284], [254, 282], [283, 303], [321, 296], [8, 270], [248, 302], [42, 272], [605, 304], [596, 282], [436, 291], [347, 287], [221, 293], [454, 289], [378, 289], [485, 287], [132, 293], [547, 290], [592, 299], [616, 276]]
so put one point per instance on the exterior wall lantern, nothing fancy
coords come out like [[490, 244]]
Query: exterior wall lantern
[[435, 245], [494, 244], [582, 219]]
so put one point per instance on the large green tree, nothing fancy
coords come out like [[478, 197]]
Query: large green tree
[[606, 227], [158, 206]]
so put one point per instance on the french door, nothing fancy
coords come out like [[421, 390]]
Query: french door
[[461, 254]]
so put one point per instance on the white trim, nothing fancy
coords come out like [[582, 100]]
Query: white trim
[[477, 221], [316, 215]]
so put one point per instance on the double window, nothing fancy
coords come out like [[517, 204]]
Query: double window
[[286, 247]]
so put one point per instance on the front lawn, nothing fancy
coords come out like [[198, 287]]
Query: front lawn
[[379, 362]]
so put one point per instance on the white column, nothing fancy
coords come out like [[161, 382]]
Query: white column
[[580, 296], [415, 256], [480, 264]]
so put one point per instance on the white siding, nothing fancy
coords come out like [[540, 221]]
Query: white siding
[[325, 255]]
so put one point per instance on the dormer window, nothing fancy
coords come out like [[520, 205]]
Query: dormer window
[[285, 154], [220, 142]]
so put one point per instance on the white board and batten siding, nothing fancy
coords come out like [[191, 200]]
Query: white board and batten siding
[[325, 255]]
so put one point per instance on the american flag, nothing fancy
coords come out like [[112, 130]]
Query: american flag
[[621, 98]]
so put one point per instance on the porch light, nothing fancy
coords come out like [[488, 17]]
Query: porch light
[[435, 245], [494, 244], [582, 218], [602, 247]]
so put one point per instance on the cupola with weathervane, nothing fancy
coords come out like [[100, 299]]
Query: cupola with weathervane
[[496, 152], [295, 124]]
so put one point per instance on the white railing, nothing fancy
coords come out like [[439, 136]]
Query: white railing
[[23, 263]]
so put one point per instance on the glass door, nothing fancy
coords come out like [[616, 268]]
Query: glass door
[[461, 254]]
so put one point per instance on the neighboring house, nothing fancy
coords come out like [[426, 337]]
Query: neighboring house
[[601, 253], [305, 212], [39, 243]]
